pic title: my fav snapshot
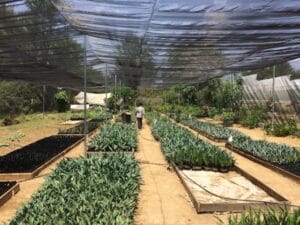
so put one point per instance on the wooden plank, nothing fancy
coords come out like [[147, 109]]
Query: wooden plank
[[231, 206], [10, 193], [264, 163]]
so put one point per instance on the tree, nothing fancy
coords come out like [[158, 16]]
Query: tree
[[229, 96], [189, 95], [267, 72], [207, 95], [62, 101], [189, 63], [134, 62], [127, 94]]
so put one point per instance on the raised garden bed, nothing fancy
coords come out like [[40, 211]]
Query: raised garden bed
[[292, 170], [182, 147], [115, 138], [213, 132], [98, 190], [250, 191], [28, 161], [79, 129], [8, 190], [101, 118]]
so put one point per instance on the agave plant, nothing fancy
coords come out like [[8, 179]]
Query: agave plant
[[184, 148], [98, 190], [115, 138], [269, 217], [275, 153], [213, 130]]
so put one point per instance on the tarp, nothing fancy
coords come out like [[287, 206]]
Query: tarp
[[92, 98], [286, 90], [148, 43]]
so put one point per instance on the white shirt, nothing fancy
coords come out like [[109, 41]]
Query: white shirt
[[140, 111]]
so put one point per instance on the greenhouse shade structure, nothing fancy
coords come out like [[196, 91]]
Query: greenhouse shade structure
[[172, 41]]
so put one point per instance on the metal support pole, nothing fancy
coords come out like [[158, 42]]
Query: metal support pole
[[44, 90], [115, 92], [273, 97], [85, 97], [105, 85]]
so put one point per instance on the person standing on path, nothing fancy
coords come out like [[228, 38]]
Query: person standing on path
[[140, 112]]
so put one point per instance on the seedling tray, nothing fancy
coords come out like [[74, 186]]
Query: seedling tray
[[269, 165], [27, 162], [6, 194], [231, 206]]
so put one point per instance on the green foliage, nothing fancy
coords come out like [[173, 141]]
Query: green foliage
[[207, 95], [185, 149], [229, 96], [3, 145], [275, 153], [213, 130], [121, 96], [102, 117], [181, 95], [133, 63], [185, 109], [62, 101], [282, 129], [228, 118], [20, 97], [17, 137], [189, 95], [97, 190], [253, 116], [115, 138], [212, 112], [269, 217]]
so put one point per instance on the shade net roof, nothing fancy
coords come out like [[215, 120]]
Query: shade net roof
[[146, 43]]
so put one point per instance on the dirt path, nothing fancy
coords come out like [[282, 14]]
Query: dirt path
[[28, 188], [163, 199], [285, 186]]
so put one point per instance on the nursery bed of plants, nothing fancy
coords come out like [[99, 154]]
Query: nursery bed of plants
[[5, 186], [269, 217], [32, 156], [103, 190], [210, 130], [79, 129], [280, 155], [101, 118], [115, 138], [185, 149], [7, 190]]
